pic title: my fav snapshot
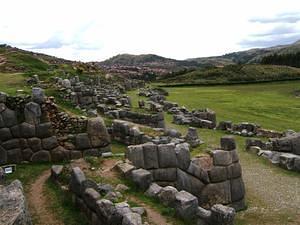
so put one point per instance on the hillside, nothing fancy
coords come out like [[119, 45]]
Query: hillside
[[147, 60], [236, 74], [14, 60], [249, 56]]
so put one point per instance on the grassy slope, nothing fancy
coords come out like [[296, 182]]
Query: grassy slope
[[10, 82], [272, 105], [236, 74]]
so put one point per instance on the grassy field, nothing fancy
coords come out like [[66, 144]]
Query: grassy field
[[10, 82], [272, 105]]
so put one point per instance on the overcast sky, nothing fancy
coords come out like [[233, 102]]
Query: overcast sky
[[94, 30]]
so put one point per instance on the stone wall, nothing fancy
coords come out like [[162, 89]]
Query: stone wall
[[153, 120], [213, 180], [284, 151], [28, 132], [13, 205], [98, 210]]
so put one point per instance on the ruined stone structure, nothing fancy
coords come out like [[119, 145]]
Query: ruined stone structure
[[284, 151], [13, 205], [152, 120], [98, 209], [213, 180], [28, 131], [248, 130]]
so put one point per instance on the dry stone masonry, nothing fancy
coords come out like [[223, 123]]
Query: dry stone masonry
[[284, 151], [28, 131], [93, 199], [213, 180]]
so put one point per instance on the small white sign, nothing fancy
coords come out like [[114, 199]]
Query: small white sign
[[8, 170]]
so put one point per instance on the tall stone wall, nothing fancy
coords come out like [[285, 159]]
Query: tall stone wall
[[213, 180], [27, 134]]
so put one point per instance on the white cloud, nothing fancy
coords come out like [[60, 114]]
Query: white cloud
[[98, 29]]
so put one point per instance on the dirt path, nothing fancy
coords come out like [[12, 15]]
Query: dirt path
[[270, 191], [38, 202]]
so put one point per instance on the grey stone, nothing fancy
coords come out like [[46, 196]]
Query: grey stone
[[90, 197], [139, 210], [234, 171], [32, 113], [125, 169], [14, 202], [121, 188], [88, 183], [228, 143], [9, 117], [56, 171], [150, 156], [106, 210], [14, 155], [35, 144], [15, 131], [192, 137], [3, 97], [132, 219], [153, 190], [164, 174], [10, 144], [186, 205], [97, 132], [221, 158], [75, 155], [217, 174], [27, 154], [49, 143], [27, 130], [221, 214], [82, 141], [198, 172], [234, 156], [5, 134], [216, 193], [167, 195], [296, 163], [41, 156], [142, 178], [77, 177], [189, 183], [3, 156], [237, 189], [286, 160], [60, 154], [38, 95], [167, 156], [105, 188], [183, 156], [44, 130], [136, 155]]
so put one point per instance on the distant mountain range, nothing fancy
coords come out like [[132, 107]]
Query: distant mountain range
[[154, 61]]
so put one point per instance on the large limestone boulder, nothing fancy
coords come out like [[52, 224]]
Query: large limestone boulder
[[13, 205], [186, 204], [97, 132]]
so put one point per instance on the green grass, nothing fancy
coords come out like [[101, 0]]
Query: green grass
[[27, 173], [272, 105], [61, 204], [11, 82]]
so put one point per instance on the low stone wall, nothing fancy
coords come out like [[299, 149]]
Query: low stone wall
[[27, 132], [213, 180], [248, 130], [13, 205], [153, 120], [284, 152], [186, 206], [99, 210]]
